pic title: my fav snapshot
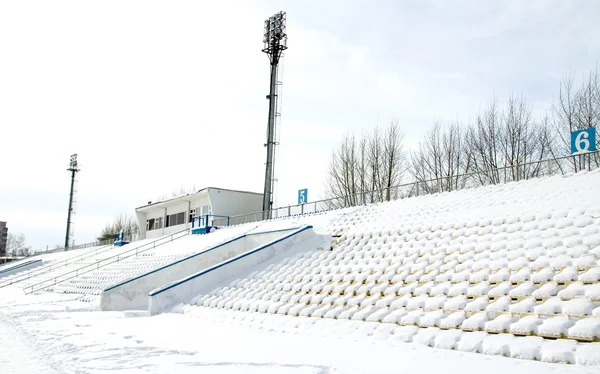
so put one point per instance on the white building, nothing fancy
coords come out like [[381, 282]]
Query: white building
[[173, 215]]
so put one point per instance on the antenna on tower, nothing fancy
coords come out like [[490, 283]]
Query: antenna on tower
[[275, 42], [73, 169]]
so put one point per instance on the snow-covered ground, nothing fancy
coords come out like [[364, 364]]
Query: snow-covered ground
[[494, 279], [50, 334]]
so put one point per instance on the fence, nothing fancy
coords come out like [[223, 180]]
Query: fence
[[498, 175]]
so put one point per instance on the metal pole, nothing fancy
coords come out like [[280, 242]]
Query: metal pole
[[268, 191], [70, 208]]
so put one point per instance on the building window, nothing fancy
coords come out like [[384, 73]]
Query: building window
[[154, 224], [192, 214], [176, 219]]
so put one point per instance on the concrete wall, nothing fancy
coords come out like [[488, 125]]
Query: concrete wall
[[28, 265], [231, 203], [184, 290], [133, 293]]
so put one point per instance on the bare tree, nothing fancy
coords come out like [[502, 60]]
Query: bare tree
[[342, 172], [441, 160], [364, 170], [15, 245], [522, 141], [576, 109], [122, 223], [508, 145], [482, 140], [394, 159]]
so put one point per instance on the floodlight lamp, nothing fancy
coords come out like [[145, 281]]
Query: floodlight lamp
[[73, 161], [275, 37]]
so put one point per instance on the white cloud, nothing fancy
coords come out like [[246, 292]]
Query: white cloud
[[155, 96]]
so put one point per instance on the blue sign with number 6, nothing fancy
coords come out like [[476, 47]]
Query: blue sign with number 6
[[303, 196], [583, 141]]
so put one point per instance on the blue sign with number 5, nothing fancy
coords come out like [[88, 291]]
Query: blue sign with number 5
[[583, 141], [303, 196]]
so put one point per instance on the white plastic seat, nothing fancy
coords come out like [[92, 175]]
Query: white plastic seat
[[555, 327], [432, 318], [568, 274], [522, 307], [545, 274], [500, 276], [523, 289], [572, 290], [475, 322], [477, 305], [500, 324], [500, 305], [585, 329], [525, 326], [547, 290], [579, 307]]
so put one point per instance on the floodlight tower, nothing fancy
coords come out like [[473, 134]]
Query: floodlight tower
[[275, 42], [73, 169]]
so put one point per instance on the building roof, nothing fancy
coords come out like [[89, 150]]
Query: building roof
[[184, 197]]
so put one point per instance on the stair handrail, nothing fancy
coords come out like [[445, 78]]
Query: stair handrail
[[56, 265], [107, 261], [63, 263]]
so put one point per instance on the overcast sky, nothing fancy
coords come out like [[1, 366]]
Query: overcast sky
[[156, 96]]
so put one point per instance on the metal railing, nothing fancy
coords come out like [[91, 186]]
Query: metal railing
[[104, 262], [209, 220], [97, 243], [498, 175], [57, 265]]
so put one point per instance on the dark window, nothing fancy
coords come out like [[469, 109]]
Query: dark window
[[175, 219]]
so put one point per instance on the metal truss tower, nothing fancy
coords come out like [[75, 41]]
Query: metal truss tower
[[73, 169], [275, 42]]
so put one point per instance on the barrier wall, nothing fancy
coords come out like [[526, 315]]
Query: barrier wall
[[205, 280], [20, 267], [133, 293]]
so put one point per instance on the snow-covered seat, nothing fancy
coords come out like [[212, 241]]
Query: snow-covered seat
[[500, 305], [475, 322], [500, 290], [456, 303], [412, 317], [579, 307], [432, 318], [500, 276], [593, 292], [572, 290], [590, 276], [522, 290], [553, 305], [546, 290], [587, 329], [567, 274], [545, 274], [526, 325], [555, 327], [500, 324], [477, 305]]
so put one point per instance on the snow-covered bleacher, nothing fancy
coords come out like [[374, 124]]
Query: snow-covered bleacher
[[471, 270], [52, 262], [91, 284]]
